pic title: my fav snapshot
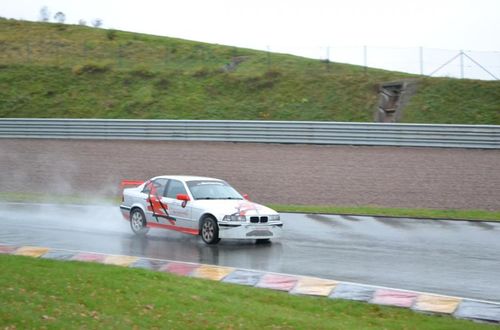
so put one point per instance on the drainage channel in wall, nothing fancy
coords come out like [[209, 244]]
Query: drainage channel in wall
[[393, 96]]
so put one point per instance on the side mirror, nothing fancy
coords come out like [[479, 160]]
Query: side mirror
[[245, 196], [183, 197]]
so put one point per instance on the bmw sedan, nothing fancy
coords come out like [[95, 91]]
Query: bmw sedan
[[194, 205]]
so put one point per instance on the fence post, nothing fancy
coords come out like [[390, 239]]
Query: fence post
[[365, 58], [461, 64], [268, 56], [327, 58], [421, 49]]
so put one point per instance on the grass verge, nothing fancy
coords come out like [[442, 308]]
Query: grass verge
[[392, 212], [57, 199], [68, 295]]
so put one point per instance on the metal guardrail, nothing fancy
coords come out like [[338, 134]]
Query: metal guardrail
[[379, 134]]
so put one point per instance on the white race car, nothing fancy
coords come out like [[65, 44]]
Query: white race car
[[201, 206]]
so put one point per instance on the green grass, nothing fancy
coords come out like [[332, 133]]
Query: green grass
[[391, 212], [57, 199], [326, 209], [69, 295], [53, 70]]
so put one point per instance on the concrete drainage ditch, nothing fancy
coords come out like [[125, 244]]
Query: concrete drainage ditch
[[393, 97]]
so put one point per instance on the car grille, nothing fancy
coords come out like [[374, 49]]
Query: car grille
[[258, 219]]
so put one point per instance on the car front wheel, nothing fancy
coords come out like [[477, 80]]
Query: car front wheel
[[138, 222], [209, 230], [263, 241]]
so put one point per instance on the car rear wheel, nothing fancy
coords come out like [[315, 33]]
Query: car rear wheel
[[209, 230], [138, 222]]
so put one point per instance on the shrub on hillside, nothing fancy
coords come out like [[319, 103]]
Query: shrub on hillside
[[111, 34], [266, 80], [162, 83], [202, 72], [142, 71], [92, 68], [273, 74]]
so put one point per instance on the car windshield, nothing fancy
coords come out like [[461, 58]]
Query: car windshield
[[212, 190]]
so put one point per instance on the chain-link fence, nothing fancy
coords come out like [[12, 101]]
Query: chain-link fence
[[468, 64]]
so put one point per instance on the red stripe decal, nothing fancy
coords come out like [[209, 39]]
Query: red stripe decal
[[176, 228]]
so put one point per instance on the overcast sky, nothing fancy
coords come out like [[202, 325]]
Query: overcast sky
[[291, 24]]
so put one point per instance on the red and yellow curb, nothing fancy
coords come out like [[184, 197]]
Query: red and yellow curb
[[418, 301]]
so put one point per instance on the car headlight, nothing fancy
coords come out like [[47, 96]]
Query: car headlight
[[235, 217], [274, 217]]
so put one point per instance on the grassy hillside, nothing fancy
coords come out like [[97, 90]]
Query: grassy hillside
[[53, 70]]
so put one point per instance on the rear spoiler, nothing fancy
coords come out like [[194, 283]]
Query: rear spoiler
[[130, 183]]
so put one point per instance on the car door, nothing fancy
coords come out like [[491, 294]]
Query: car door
[[179, 210], [152, 194]]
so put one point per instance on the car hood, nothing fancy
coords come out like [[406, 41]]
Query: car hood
[[227, 207]]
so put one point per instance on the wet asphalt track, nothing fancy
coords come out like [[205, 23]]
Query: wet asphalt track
[[457, 258]]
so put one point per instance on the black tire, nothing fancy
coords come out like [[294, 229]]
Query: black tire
[[138, 222], [263, 241], [209, 230]]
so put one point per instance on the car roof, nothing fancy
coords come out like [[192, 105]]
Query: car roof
[[186, 177]]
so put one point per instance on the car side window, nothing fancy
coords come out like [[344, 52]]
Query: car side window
[[158, 184], [174, 187], [147, 187]]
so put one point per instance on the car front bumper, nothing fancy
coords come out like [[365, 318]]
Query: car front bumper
[[250, 231]]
